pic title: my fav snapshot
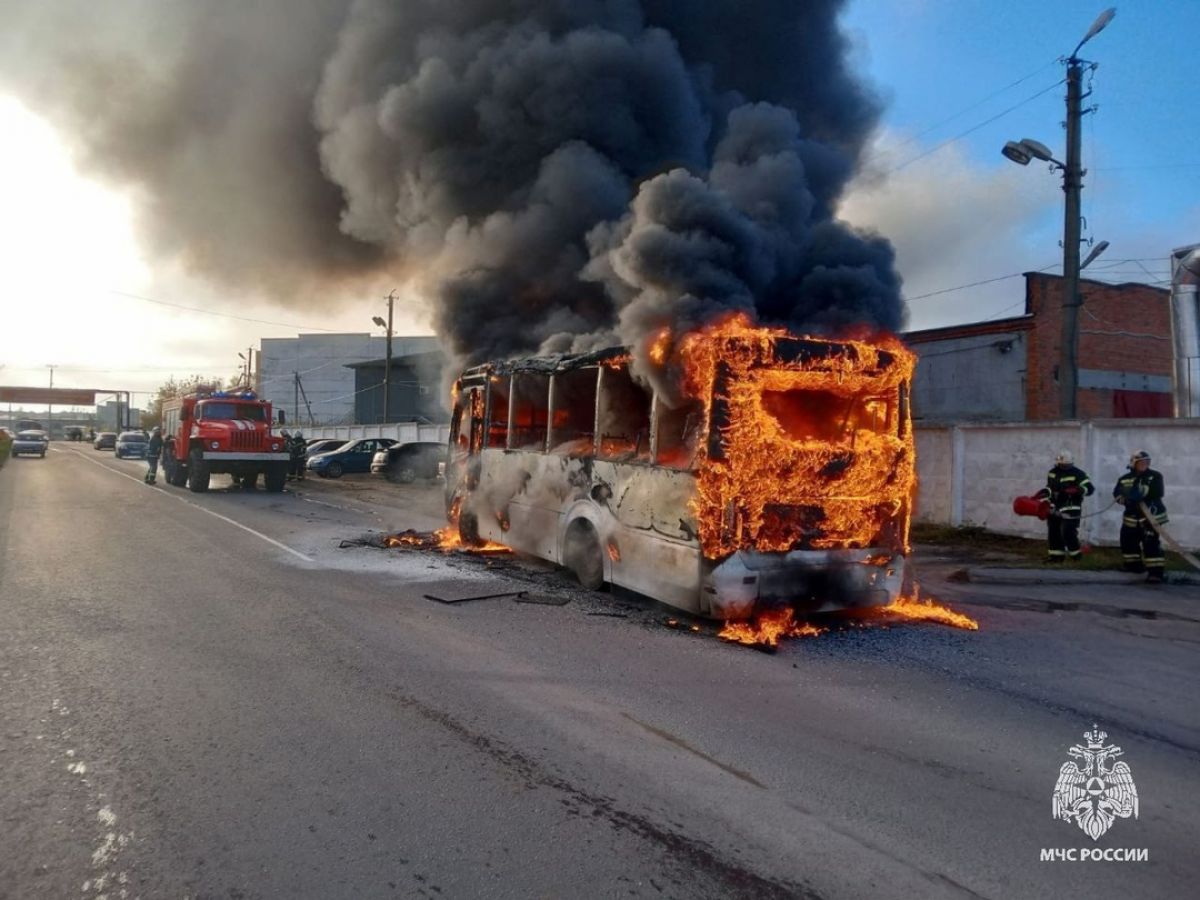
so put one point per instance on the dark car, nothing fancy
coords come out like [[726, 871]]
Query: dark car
[[405, 463], [33, 443], [131, 444], [73, 433], [105, 440], [323, 445], [352, 456]]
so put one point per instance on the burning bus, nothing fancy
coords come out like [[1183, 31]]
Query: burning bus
[[779, 475]]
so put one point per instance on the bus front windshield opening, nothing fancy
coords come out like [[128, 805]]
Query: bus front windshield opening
[[822, 416]]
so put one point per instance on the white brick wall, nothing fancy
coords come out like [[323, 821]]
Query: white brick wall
[[969, 474]]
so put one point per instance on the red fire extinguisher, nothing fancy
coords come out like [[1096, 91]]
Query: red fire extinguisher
[[1032, 506]]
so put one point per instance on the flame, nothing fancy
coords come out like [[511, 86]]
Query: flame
[[660, 346], [916, 609], [447, 540], [614, 552], [767, 630], [811, 452]]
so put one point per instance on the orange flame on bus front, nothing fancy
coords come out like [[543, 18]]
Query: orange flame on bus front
[[814, 452]]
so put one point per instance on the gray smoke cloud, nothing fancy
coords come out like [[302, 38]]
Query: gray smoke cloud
[[553, 174]]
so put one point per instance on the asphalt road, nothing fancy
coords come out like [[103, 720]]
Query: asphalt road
[[202, 696]]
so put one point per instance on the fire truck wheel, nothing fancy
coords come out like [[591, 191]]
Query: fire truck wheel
[[276, 478], [334, 469], [198, 473], [583, 556]]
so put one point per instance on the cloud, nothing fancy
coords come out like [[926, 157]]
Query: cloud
[[953, 222]]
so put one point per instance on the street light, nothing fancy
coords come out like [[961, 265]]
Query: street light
[[1021, 152]]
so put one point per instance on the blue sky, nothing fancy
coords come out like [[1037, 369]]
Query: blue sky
[[931, 60]]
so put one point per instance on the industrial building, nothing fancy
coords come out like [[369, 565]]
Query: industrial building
[[415, 392], [1006, 370], [308, 376]]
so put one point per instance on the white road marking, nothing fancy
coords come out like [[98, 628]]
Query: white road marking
[[217, 515]]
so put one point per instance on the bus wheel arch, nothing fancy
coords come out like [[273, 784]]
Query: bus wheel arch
[[583, 553]]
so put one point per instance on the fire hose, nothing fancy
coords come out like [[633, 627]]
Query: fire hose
[[1170, 541]]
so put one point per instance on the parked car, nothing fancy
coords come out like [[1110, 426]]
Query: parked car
[[323, 445], [105, 440], [131, 444], [73, 433], [352, 456], [33, 443], [405, 463]]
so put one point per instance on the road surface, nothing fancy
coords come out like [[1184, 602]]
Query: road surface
[[203, 696]]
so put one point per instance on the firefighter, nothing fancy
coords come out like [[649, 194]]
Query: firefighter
[[1140, 546], [1066, 486], [299, 451], [153, 452]]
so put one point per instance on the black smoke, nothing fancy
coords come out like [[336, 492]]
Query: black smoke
[[552, 174]]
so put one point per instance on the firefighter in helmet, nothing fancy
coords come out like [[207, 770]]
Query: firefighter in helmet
[[154, 448], [299, 453], [1141, 488], [1066, 486]]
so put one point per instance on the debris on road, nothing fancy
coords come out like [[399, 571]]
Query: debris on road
[[451, 601]]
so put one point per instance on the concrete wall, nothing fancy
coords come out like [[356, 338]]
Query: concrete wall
[[969, 474], [976, 377], [405, 432]]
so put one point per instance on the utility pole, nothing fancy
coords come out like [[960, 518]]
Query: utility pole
[[1021, 152], [295, 397], [1068, 366], [387, 363], [50, 406]]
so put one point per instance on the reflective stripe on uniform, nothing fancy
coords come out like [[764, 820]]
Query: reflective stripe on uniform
[[1056, 553], [1065, 478]]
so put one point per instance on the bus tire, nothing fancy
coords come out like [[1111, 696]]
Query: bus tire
[[583, 555], [198, 474], [468, 529]]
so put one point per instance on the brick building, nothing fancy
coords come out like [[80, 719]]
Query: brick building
[[1007, 369]]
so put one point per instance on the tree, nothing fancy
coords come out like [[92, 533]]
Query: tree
[[171, 389]]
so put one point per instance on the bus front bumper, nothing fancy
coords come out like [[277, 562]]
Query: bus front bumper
[[807, 581]]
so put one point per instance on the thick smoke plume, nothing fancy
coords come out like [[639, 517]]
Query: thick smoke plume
[[555, 174]]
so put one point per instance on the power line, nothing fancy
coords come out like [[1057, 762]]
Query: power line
[[976, 105], [946, 143], [960, 287], [209, 312]]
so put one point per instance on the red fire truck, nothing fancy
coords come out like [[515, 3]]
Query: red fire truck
[[215, 432]]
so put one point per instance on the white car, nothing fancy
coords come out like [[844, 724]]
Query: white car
[[33, 443]]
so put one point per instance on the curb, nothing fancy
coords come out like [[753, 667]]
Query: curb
[[1000, 575]]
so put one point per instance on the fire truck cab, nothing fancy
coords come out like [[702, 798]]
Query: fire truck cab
[[222, 432]]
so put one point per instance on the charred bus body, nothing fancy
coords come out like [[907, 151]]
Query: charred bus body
[[783, 479]]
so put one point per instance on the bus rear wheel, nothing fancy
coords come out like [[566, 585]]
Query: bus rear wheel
[[583, 555]]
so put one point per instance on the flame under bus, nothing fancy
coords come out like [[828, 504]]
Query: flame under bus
[[785, 479]]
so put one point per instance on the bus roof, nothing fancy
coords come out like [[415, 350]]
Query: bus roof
[[786, 351]]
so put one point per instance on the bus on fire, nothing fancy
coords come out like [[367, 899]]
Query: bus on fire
[[771, 471]]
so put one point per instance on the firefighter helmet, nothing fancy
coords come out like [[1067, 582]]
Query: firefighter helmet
[[1138, 457], [1064, 458]]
